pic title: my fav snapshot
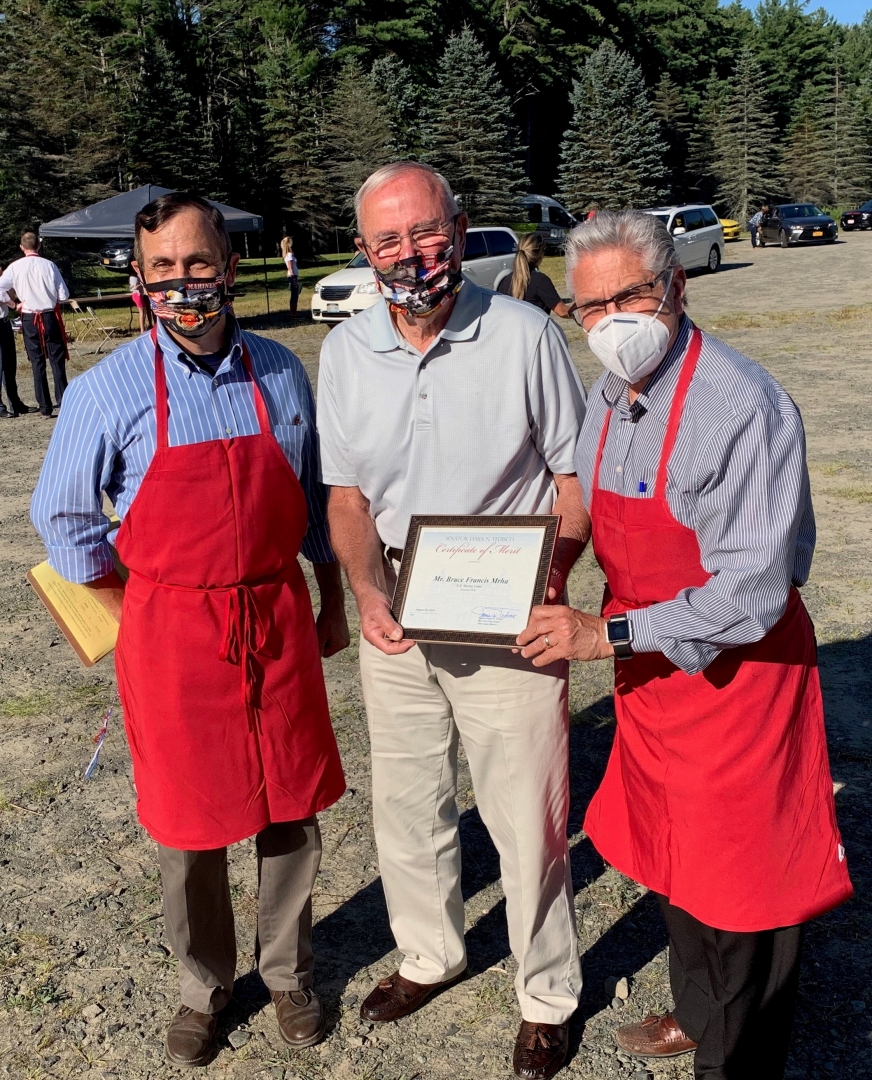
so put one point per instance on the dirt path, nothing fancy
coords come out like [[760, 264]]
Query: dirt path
[[86, 983]]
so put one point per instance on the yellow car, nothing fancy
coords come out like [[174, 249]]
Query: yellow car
[[731, 228]]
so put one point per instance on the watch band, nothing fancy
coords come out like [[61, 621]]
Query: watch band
[[620, 635]]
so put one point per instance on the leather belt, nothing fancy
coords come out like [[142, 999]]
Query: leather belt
[[394, 553]]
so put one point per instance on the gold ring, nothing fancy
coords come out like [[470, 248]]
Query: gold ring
[[547, 642]]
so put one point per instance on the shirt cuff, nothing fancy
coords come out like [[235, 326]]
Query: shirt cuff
[[643, 633], [82, 563], [316, 545], [335, 479]]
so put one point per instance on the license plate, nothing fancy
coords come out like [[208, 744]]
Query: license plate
[[332, 307], [817, 232]]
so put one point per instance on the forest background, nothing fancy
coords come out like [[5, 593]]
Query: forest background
[[283, 107]]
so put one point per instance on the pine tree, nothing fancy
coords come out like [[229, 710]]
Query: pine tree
[[846, 145], [468, 135], [677, 129], [359, 134], [804, 161], [612, 154], [744, 152], [394, 86]]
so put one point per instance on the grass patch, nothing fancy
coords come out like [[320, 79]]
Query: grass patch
[[860, 495], [28, 705]]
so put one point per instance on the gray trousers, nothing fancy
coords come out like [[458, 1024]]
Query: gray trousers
[[199, 915]]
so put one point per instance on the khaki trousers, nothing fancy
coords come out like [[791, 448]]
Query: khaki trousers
[[513, 720], [199, 915]]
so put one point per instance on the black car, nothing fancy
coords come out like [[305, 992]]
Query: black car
[[797, 223], [116, 254], [858, 219]]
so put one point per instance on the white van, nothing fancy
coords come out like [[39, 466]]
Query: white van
[[489, 257], [696, 232]]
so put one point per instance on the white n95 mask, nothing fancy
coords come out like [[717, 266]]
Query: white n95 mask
[[630, 344]]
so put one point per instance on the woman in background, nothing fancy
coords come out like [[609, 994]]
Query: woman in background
[[137, 296], [528, 282], [293, 272]]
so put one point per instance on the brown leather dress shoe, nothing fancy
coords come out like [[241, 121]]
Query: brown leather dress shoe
[[395, 997], [301, 1016], [655, 1037], [540, 1049], [190, 1038]]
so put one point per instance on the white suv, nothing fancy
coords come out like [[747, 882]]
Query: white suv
[[489, 257], [696, 232]]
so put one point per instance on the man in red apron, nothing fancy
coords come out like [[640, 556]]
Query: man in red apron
[[203, 437], [717, 795]]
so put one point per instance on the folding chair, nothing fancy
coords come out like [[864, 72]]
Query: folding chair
[[82, 327], [104, 333]]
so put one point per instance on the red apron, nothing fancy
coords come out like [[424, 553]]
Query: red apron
[[717, 792], [218, 664]]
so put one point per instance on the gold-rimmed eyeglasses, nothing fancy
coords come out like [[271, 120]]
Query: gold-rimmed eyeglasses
[[587, 315], [429, 237]]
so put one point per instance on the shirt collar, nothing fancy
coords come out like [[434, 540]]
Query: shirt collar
[[462, 323], [656, 398], [172, 349]]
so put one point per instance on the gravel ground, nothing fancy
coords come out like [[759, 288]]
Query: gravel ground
[[87, 985]]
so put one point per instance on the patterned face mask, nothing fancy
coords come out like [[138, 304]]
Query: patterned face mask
[[420, 284], [189, 306]]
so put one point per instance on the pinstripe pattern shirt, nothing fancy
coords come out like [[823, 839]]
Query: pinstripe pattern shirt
[[105, 438], [737, 477]]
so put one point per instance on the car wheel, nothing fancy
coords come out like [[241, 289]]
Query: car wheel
[[714, 259], [783, 239]]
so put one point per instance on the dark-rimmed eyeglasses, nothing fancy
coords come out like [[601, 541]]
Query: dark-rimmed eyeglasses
[[626, 300]]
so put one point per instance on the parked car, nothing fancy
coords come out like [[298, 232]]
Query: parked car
[[858, 219], [731, 228], [696, 233], [797, 223], [552, 220], [489, 257], [116, 254]]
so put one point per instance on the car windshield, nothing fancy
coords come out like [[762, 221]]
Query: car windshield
[[801, 210], [357, 262], [867, 206], [662, 217]]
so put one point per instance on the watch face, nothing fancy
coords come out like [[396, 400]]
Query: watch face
[[619, 630]]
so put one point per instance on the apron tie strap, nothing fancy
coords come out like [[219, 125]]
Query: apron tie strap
[[245, 636]]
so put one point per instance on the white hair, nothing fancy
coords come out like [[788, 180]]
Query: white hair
[[397, 168], [629, 230]]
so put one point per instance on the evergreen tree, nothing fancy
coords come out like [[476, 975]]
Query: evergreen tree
[[612, 154], [359, 133], [805, 156], [744, 151], [677, 130], [400, 96], [468, 135], [846, 145]]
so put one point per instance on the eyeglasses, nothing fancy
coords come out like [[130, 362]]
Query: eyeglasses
[[627, 300], [425, 238]]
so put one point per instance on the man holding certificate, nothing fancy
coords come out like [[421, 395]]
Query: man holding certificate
[[203, 437], [447, 399], [717, 795]]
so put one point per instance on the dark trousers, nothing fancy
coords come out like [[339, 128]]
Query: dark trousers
[[199, 915], [37, 345], [753, 230], [293, 291], [734, 994], [9, 366]]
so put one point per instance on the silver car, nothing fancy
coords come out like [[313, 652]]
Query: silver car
[[696, 232]]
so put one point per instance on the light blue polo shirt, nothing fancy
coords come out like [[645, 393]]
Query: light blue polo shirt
[[476, 425]]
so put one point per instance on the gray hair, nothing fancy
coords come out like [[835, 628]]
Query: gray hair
[[396, 168], [629, 230]]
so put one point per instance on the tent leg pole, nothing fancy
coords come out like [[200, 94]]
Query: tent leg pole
[[265, 282]]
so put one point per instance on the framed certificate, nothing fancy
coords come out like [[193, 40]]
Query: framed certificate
[[473, 580]]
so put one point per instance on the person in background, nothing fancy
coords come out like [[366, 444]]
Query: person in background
[[293, 272], [755, 221], [592, 211], [40, 288], [137, 297], [717, 796], [527, 282], [9, 362]]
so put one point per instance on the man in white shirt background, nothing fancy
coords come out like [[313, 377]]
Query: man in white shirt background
[[40, 288], [9, 362]]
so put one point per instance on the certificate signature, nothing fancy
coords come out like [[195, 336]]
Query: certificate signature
[[496, 616]]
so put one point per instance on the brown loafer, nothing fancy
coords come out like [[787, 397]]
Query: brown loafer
[[301, 1016], [190, 1038], [655, 1037], [540, 1049], [395, 997]]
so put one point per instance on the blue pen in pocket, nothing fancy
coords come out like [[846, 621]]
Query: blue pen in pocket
[[643, 487]]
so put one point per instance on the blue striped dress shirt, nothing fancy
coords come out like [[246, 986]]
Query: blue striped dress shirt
[[737, 477], [105, 437]]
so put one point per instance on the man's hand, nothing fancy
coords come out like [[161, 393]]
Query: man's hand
[[109, 590], [331, 624], [379, 627], [562, 633]]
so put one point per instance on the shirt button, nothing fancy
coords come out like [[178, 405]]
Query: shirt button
[[619, 469], [229, 430], [423, 397]]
